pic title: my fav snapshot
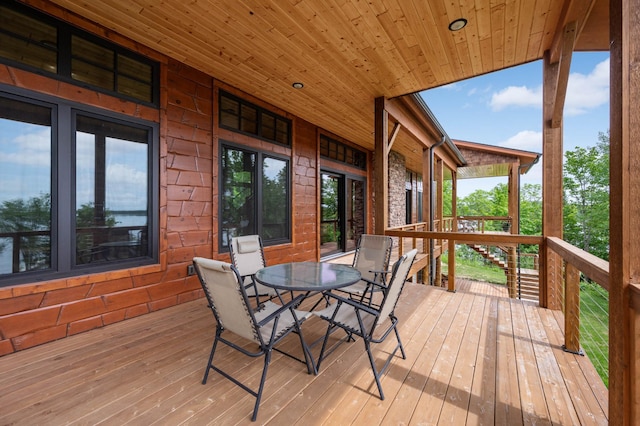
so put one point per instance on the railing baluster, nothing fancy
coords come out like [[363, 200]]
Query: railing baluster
[[572, 310]]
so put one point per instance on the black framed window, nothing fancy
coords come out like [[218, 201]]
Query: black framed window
[[77, 190], [255, 195], [40, 43], [337, 151], [244, 117]]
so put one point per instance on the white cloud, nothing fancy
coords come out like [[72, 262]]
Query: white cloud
[[527, 140], [456, 87], [30, 149], [585, 92], [521, 96]]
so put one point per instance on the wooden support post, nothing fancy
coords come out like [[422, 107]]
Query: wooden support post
[[552, 176], [624, 254], [572, 310], [514, 198], [452, 266], [512, 272], [381, 167]]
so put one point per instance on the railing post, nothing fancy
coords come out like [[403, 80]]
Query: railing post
[[452, 266], [512, 281], [572, 310]]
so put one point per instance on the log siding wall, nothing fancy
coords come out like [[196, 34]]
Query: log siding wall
[[40, 312]]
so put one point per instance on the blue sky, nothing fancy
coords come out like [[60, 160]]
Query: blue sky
[[505, 109]]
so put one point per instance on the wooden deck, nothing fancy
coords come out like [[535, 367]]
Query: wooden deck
[[473, 357]]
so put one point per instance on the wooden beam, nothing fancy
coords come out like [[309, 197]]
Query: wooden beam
[[624, 254], [381, 167], [562, 80], [394, 134], [514, 197], [552, 193], [576, 11]]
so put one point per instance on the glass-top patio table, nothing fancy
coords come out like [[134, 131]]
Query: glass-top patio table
[[307, 276]]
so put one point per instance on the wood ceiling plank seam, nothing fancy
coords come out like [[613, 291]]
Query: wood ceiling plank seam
[[273, 52], [396, 25], [551, 17], [465, 59], [511, 30], [473, 40], [526, 12], [328, 58], [401, 30], [420, 19], [377, 49], [483, 17], [443, 17], [270, 52], [497, 29], [129, 26], [373, 21], [274, 58]]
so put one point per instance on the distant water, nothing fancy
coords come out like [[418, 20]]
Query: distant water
[[121, 220]]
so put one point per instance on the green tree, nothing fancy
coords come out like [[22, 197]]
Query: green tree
[[531, 209], [586, 197], [329, 209], [478, 203], [29, 222], [447, 197]]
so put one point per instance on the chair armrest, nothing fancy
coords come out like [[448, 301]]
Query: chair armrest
[[353, 303], [290, 305]]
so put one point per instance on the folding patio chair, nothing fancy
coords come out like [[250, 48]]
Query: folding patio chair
[[247, 255], [265, 327], [366, 321], [372, 260]]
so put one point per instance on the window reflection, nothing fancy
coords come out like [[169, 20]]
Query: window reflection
[[25, 187], [111, 191], [255, 196]]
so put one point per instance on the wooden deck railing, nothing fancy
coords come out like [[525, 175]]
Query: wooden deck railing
[[566, 280], [561, 266]]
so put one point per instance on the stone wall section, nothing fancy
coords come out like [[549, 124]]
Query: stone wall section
[[397, 189]]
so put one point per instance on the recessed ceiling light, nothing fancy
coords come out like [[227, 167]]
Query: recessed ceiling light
[[297, 85], [458, 24]]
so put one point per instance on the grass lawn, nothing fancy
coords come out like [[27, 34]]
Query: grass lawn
[[594, 327], [477, 270]]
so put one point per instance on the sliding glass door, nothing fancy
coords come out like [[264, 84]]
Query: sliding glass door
[[342, 212]]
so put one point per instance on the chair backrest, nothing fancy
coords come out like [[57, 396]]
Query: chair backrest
[[247, 254], [372, 254], [221, 283], [396, 283]]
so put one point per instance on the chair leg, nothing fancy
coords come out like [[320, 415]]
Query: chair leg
[[213, 350], [376, 374], [308, 358], [404, 356], [330, 327], [267, 359]]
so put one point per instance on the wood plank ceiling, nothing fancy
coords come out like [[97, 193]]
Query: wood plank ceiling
[[347, 53]]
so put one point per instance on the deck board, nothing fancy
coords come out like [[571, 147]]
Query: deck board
[[473, 357]]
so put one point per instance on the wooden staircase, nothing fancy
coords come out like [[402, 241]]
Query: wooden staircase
[[528, 279], [496, 260]]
